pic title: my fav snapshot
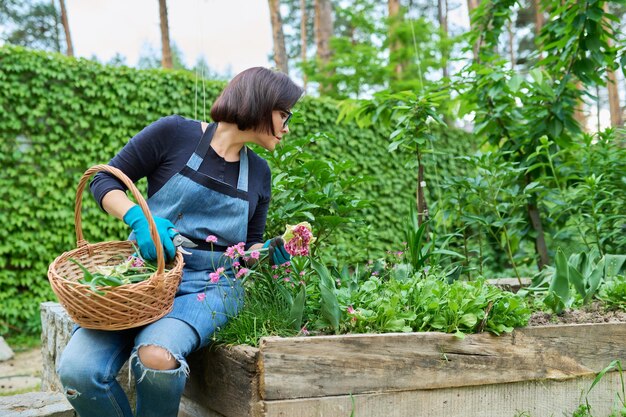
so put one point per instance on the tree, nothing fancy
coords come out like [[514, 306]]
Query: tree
[[442, 14], [280, 53], [394, 44], [31, 24], [323, 25], [66, 28], [471, 6], [303, 38], [614, 107], [166, 52]]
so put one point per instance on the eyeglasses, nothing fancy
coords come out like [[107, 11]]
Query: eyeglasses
[[286, 121]]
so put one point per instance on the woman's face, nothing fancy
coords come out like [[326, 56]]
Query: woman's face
[[269, 141]]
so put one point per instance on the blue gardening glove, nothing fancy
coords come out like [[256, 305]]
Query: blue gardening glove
[[135, 218], [276, 251]]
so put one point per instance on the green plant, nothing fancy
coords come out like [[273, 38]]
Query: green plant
[[493, 202], [306, 187], [578, 278], [615, 365]]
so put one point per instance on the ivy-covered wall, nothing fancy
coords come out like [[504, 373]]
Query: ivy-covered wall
[[59, 116]]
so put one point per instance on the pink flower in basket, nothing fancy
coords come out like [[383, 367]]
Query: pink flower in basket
[[298, 238]]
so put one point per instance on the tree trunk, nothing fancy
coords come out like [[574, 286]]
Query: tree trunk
[[323, 31], [303, 39], [471, 5], [540, 241], [442, 12], [579, 113], [166, 54], [511, 44], [614, 107], [66, 28], [539, 18], [539, 22], [394, 46], [280, 53]]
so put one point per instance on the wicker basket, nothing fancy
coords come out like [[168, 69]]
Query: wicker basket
[[122, 307]]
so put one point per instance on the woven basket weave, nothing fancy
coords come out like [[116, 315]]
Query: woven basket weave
[[122, 307]]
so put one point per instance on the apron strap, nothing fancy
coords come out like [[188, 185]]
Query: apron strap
[[203, 146], [242, 183]]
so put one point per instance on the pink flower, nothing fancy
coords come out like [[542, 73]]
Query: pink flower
[[241, 273], [215, 276], [304, 331], [351, 310], [302, 273], [236, 250], [211, 239], [255, 254], [201, 297], [286, 279], [236, 264], [275, 276], [298, 238]]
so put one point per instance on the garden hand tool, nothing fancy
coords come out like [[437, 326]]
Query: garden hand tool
[[181, 241]]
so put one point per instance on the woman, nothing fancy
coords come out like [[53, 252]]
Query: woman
[[203, 181]]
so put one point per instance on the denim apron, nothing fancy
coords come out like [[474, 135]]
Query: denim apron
[[200, 206]]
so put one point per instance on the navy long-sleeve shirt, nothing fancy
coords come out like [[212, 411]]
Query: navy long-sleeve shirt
[[163, 148]]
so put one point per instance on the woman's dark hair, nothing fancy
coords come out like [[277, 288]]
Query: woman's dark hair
[[249, 99]]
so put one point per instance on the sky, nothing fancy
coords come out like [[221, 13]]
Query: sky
[[231, 35]]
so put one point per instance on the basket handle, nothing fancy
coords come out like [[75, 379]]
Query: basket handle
[[80, 241]]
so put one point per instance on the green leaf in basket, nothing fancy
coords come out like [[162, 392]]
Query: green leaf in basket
[[88, 275]]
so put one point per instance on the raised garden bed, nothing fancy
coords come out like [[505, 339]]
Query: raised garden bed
[[543, 370]]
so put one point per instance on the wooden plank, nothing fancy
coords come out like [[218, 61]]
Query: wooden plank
[[339, 365], [224, 380], [536, 398]]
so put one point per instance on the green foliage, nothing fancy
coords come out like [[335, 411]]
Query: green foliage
[[613, 293], [320, 191], [427, 302], [576, 280], [62, 115]]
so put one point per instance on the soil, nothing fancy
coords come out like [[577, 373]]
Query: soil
[[592, 313]]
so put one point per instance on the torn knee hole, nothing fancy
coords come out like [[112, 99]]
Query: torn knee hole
[[156, 357]]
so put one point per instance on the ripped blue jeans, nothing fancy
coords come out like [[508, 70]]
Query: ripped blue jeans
[[93, 358]]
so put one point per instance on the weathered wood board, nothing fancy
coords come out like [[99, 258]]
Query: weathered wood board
[[359, 364], [534, 398]]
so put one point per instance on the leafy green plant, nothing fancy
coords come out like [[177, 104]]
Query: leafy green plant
[[306, 187], [578, 278], [494, 202], [613, 293]]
